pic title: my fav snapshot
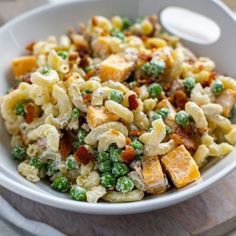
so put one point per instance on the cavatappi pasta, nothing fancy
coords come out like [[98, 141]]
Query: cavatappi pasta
[[117, 111]]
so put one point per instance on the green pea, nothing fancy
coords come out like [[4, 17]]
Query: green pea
[[102, 156], [18, 153], [116, 96], [156, 116], [118, 34], [137, 146], [164, 112], [124, 184], [189, 84], [80, 140], [71, 163], [78, 193], [20, 109], [114, 154], [217, 87], [153, 68], [182, 118], [61, 184], [168, 129], [75, 114], [155, 90], [107, 180], [36, 162], [51, 168], [87, 69], [105, 166], [63, 54], [126, 23], [119, 169]]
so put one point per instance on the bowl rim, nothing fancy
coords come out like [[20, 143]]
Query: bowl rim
[[105, 208]]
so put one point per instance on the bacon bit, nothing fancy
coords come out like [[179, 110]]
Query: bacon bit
[[94, 21], [89, 74], [181, 137], [87, 98], [201, 67], [83, 155], [144, 57], [167, 86], [84, 62], [128, 154], [30, 46], [136, 132], [133, 102], [73, 56], [208, 81], [180, 98], [128, 140], [83, 51], [30, 113], [26, 78], [65, 148]]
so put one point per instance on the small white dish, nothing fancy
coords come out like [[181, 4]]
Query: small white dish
[[55, 19]]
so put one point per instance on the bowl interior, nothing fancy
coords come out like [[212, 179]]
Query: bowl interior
[[39, 24]]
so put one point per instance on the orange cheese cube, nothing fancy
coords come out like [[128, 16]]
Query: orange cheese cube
[[23, 65], [99, 115], [115, 68], [153, 176], [181, 166]]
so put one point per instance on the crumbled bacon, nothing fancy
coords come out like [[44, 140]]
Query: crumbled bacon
[[65, 147], [136, 132], [181, 137], [128, 154], [87, 98], [73, 56], [27, 78], [30, 46], [180, 99], [133, 102], [128, 140], [208, 81], [30, 113], [83, 155], [84, 62]]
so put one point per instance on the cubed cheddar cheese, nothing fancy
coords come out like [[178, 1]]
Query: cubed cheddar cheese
[[181, 166], [153, 175], [115, 68], [99, 115], [23, 65]]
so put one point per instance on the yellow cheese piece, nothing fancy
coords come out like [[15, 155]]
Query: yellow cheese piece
[[115, 68], [153, 176], [99, 115], [181, 166], [23, 65]]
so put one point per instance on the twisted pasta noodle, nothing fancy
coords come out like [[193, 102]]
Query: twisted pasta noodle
[[90, 85], [99, 95], [149, 104], [228, 82], [75, 94], [102, 25], [95, 193], [48, 131], [57, 63], [13, 128], [231, 136], [163, 148], [33, 150], [16, 140], [109, 137], [143, 92], [199, 96], [9, 101], [212, 109], [29, 172], [201, 154], [206, 63], [225, 149], [92, 137], [198, 115], [64, 107], [141, 120], [152, 139], [43, 47], [113, 196], [40, 94], [221, 122], [119, 110], [209, 142], [115, 85], [64, 42], [49, 79]]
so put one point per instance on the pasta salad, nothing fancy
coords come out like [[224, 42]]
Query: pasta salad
[[117, 110]]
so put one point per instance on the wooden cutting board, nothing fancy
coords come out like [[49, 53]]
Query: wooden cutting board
[[211, 213]]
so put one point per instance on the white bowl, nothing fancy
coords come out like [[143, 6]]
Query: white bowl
[[54, 20]]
